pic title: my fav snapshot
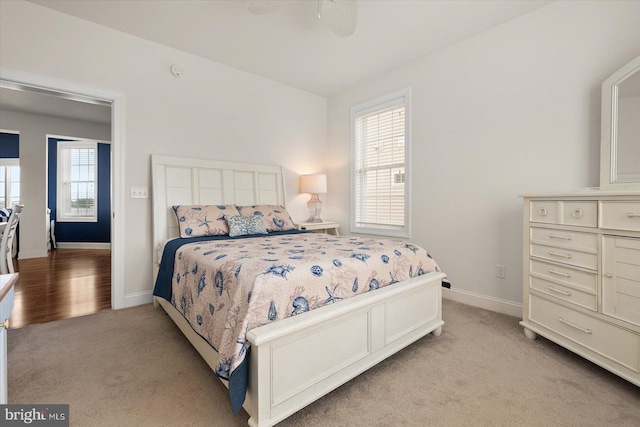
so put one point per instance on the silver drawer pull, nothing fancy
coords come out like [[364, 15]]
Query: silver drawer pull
[[559, 273], [557, 236], [633, 215], [585, 330], [568, 256], [609, 275], [577, 213], [542, 211], [552, 289]]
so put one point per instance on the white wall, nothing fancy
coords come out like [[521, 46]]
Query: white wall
[[33, 169], [513, 110], [213, 111]]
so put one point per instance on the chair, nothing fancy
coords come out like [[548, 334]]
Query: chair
[[51, 232], [6, 257]]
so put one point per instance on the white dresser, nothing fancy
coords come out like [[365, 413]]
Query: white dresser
[[582, 275], [7, 282]]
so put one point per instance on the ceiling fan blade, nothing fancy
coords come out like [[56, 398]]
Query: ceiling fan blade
[[261, 7], [340, 15]]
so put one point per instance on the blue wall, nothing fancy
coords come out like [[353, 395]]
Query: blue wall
[[94, 232], [9, 146]]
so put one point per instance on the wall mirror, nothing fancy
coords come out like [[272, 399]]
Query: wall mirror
[[620, 143]]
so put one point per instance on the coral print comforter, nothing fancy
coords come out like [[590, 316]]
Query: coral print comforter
[[226, 287]]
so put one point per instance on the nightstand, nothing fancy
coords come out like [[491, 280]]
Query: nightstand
[[320, 227]]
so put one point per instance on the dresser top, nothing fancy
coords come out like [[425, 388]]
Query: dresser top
[[6, 283], [586, 193]]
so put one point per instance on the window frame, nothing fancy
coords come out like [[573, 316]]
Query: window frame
[[61, 216], [365, 108], [8, 163]]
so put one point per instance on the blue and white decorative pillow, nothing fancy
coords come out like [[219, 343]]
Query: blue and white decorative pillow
[[275, 217], [203, 220], [245, 225], [4, 215]]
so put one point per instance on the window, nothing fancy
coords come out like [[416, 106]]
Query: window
[[77, 181], [380, 165], [9, 183]]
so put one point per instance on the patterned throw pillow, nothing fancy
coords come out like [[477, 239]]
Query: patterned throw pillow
[[4, 215], [244, 225], [203, 220], [275, 217]]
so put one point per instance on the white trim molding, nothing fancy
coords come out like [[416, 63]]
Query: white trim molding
[[483, 301], [9, 162], [83, 245], [15, 79], [32, 254], [138, 298]]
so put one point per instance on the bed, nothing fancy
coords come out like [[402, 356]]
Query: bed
[[291, 362]]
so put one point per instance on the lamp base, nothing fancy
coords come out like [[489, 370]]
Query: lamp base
[[315, 207]]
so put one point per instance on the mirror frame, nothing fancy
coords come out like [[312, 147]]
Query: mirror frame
[[608, 141]]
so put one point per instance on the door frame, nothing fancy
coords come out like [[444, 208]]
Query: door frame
[[9, 78]]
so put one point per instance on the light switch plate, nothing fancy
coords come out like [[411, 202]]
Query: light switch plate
[[139, 192]]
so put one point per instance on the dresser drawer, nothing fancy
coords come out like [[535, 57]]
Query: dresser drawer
[[583, 214], [620, 215], [544, 211], [621, 279], [577, 279], [575, 239], [565, 256], [565, 293], [615, 343]]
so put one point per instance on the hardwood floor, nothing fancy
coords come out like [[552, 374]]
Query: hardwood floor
[[68, 283]]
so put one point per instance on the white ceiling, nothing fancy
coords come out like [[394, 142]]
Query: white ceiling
[[290, 44]]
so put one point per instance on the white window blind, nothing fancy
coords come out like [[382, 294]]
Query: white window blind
[[380, 149], [77, 181]]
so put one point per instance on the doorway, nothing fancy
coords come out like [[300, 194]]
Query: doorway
[[29, 83]]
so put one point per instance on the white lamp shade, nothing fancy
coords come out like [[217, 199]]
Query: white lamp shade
[[313, 184]]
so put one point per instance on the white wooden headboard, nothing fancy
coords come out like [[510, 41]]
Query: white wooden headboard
[[186, 181]]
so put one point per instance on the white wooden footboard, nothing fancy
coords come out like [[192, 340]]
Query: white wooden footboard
[[297, 360]]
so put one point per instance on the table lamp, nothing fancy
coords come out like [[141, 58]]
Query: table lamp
[[314, 184]]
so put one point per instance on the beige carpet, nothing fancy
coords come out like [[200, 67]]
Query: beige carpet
[[133, 367]]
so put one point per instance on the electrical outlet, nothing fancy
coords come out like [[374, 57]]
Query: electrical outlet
[[139, 192], [501, 271]]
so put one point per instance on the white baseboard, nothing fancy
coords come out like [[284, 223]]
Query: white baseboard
[[83, 245], [32, 254], [482, 301], [138, 298]]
